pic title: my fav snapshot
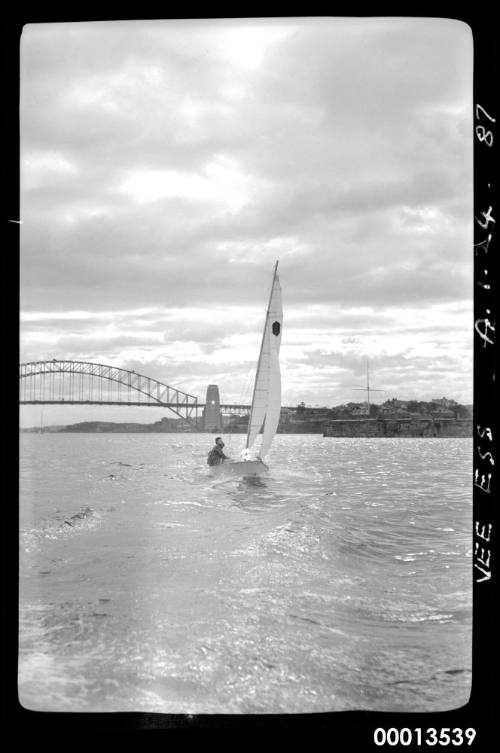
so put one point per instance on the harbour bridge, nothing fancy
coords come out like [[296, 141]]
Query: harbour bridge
[[58, 382]]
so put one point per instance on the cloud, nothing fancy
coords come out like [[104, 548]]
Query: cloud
[[166, 165]]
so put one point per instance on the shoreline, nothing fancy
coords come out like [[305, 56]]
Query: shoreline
[[369, 428]]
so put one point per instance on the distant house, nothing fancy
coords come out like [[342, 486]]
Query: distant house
[[394, 404], [360, 410], [395, 411], [386, 410], [401, 404], [444, 402]]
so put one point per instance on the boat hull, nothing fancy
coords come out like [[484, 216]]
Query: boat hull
[[241, 468]]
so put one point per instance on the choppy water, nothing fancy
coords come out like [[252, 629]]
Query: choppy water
[[341, 580]]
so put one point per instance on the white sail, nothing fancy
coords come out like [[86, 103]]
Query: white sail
[[273, 403], [266, 401]]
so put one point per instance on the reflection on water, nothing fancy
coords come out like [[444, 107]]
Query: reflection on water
[[338, 580]]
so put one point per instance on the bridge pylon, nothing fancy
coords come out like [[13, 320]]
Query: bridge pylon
[[212, 416]]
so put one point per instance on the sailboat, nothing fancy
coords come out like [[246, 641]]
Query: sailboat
[[266, 399]]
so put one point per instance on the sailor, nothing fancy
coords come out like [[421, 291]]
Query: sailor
[[216, 456]]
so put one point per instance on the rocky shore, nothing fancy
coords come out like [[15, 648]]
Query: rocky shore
[[394, 427]]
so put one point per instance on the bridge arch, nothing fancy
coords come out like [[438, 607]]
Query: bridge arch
[[81, 383]]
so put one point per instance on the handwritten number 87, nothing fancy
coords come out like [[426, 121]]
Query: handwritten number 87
[[481, 132]]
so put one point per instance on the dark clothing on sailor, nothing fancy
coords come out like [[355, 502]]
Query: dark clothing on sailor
[[216, 456]]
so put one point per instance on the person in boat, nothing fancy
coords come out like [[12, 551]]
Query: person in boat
[[216, 455]]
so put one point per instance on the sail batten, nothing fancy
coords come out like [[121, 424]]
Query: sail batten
[[266, 400]]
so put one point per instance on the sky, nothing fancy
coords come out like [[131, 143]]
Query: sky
[[166, 165]]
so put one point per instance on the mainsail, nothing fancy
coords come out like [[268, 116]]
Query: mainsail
[[266, 401]]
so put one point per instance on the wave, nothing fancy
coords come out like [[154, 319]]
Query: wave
[[85, 519]]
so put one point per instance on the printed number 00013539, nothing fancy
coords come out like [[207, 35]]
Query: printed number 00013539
[[431, 736]]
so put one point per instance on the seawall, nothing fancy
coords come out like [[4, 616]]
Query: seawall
[[399, 427]]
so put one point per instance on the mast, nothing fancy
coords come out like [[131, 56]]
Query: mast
[[260, 351], [367, 389], [368, 385]]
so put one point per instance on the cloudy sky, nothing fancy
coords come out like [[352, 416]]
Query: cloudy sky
[[167, 164]]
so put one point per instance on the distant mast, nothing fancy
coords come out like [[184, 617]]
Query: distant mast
[[368, 385], [367, 389]]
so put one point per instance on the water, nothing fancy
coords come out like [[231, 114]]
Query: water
[[341, 580]]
